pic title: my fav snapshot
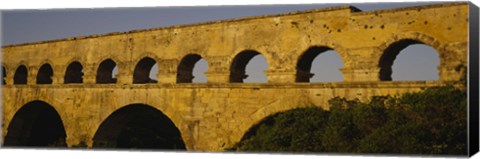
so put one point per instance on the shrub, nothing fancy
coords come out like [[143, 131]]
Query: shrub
[[429, 122]]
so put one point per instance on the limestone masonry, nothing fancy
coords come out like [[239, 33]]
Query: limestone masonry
[[215, 115]]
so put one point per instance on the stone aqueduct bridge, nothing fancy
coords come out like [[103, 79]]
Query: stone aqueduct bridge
[[214, 115]]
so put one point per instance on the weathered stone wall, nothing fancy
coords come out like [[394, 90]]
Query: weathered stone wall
[[215, 115], [210, 116], [359, 38]]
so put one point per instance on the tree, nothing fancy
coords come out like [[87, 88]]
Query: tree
[[429, 122]]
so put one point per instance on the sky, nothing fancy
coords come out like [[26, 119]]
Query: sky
[[416, 62]]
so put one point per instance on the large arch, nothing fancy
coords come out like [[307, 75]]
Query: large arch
[[263, 109], [186, 67], [138, 126], [21, 75], [142, 71], [304, 65], [239, 65], [45, 74], [105, 72], [74, 73], [36, 124], [391, 53]]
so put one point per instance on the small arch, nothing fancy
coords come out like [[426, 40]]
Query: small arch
[[4, 75], [188, 67], [240, 70], [324, 61], [45, 74], [105, 72], [142, 71], [21, 75], [74, 73], [138, 126], [36, 124], [423, 69]]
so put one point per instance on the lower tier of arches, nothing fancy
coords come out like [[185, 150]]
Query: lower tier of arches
[[207, 118]]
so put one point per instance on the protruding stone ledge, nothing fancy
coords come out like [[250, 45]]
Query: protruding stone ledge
[[218, 77], [359, 75], [281, 76], [167, 78]]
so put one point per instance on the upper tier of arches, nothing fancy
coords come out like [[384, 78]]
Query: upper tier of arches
[[233, 69], [293, 47]]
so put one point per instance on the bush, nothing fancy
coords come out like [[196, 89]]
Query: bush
[[429, 122]]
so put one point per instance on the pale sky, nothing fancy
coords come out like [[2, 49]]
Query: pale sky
[[416, 62]]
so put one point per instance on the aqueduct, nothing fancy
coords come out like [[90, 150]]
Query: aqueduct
[[64, 89]]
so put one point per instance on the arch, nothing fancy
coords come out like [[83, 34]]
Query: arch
[[142, 71], [400, 41], [74, 73], [45, 74], [21, 75], [251, 131], [138, 126], [391, 53], [239, 65], [304, 65], [185, 69], [4, 75], [36, 124], [105, 72]]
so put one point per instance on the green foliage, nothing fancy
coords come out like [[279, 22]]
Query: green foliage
[[429, 122], [280, 132]]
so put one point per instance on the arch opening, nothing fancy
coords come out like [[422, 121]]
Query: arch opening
[[74, 73], [36, 124], [409, 60], [191, 69], [319, 64], [106, 73], [143, 71], [21, 75], [45, 74], [248, 67], [4, 75], [138, 126]]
